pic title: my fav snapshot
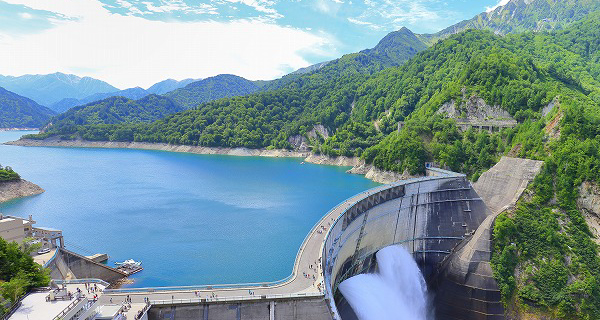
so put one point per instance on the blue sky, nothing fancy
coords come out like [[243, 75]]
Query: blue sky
[[139, 42]]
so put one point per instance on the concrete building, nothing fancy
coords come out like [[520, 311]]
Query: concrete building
[[15, 229], [50, 238]]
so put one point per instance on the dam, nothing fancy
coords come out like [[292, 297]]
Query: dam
[[441, 219]]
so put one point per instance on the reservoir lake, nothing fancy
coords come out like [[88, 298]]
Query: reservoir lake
[[191, 219]]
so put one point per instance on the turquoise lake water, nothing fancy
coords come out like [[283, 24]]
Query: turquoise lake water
[[191, 219]]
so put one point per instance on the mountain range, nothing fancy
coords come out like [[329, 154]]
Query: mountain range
[[51, 88], [393, 50], [131, 93]]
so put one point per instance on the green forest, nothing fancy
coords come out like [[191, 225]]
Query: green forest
[[18, 274], [544, 257], [8, 174]]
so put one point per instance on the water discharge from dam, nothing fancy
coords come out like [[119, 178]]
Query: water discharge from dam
[[396, 292]]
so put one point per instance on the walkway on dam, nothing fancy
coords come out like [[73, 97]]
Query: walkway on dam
[[296, 286]]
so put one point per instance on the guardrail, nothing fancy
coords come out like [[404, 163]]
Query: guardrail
[[140, 314], [70, 307], [236, 298], [51, 259], [82, 281]]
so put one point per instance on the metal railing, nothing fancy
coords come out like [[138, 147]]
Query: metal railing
[[140, 314], [51, 259], [237, 298], [82, 281], [70, 307]]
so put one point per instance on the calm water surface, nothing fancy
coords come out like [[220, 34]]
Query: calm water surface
[[191, 219]]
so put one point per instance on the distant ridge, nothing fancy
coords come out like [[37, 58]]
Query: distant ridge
[[131, 93], [217, 87], [51, 88], [522, 15], [169, 85]]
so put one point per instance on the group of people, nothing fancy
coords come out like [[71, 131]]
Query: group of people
[[199, 295], [90, 288]]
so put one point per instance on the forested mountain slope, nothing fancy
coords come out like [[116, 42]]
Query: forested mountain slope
[[20, 112], [115, 110], [393, 50], [68, 103]]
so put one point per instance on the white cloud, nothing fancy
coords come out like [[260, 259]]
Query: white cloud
[[394, 14], [132, 51], [25, 15], [356, 21], [499, 4], [264, 6]]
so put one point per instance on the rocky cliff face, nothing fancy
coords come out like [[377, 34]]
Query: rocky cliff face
[[589, 204], [474, 108], [10, 190]]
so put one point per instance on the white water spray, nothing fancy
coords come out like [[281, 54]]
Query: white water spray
[[397, 292]]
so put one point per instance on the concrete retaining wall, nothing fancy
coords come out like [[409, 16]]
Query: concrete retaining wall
[[297, 309]]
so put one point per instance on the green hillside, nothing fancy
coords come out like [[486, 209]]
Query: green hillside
[[114, 110], [20, 112]]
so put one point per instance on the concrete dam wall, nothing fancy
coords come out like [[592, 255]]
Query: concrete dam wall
[[444, 223], [271, 309], [69, 265], [429, 217]]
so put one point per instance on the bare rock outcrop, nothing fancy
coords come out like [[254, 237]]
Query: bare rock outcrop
[[10, 190], [475, 111], [378, 175], [318, 129], [333, 161], [589, 203], [298, 142]]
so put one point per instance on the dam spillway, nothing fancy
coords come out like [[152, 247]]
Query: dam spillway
[[429, 217]]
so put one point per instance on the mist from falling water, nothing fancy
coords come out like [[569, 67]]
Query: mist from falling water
[[397, 292]]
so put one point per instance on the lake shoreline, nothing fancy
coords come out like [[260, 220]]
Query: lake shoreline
[[19, 129], [10, 190], [357, 164]]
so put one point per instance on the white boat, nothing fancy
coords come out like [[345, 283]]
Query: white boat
[[130, 263]]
